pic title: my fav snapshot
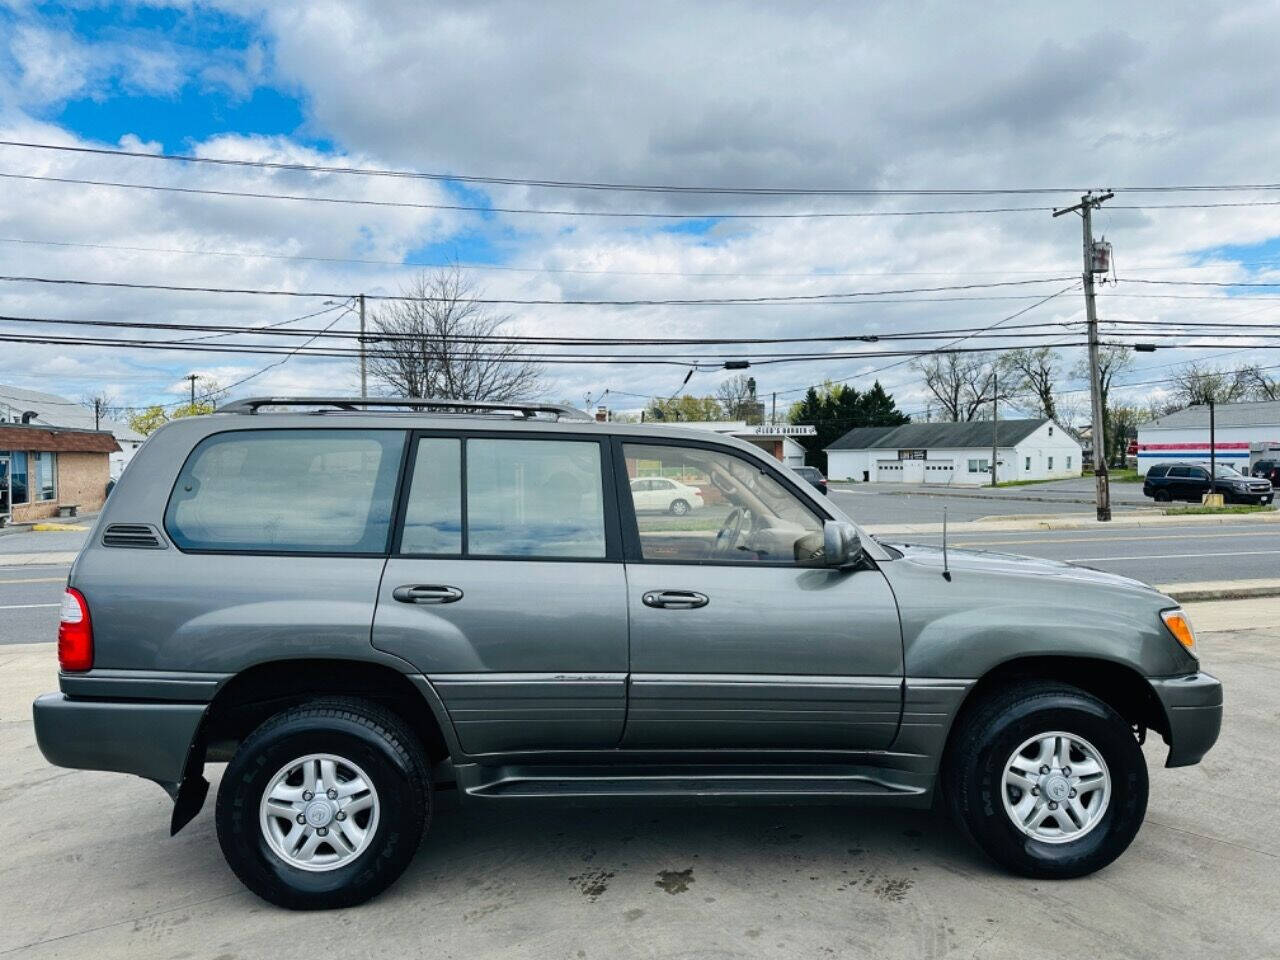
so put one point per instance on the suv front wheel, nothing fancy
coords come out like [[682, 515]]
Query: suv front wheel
[[324, 804], [1047, 779]]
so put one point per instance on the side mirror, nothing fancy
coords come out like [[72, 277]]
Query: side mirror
[[838, 547]]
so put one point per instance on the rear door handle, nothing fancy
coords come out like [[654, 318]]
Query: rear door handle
[[675, 599], [426, 593]]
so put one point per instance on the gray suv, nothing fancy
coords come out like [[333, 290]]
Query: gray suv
[[355, 603]]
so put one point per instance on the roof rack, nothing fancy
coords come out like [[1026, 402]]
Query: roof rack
[[251, 405]]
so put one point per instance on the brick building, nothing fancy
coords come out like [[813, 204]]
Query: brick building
[[43, 469]]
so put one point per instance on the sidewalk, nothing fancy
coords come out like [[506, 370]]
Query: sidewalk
[[51, 525], [1072, 522]]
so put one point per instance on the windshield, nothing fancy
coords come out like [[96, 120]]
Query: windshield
[[1225, 471]]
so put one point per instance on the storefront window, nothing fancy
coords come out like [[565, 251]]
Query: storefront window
[[18, 476], [43, 486]]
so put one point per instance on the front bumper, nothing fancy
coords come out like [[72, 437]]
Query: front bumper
[[1193, 705], [149, 740]]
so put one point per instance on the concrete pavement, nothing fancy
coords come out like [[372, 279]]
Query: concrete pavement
[[90, 870]]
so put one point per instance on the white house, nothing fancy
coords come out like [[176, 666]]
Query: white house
[[49, 410], [1243, 434], [955, 453], [774, 438]]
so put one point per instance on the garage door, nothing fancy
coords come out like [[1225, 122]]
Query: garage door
[[888, 471], [939, 471]]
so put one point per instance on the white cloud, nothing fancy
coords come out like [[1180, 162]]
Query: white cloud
[[731, 93]]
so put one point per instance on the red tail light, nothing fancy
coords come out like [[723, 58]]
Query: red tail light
[[75, 633]]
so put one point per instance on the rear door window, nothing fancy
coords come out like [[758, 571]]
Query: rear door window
[[287, 491], [500, 497], [535, 498]]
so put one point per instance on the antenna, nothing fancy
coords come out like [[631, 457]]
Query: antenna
[[946, 570]]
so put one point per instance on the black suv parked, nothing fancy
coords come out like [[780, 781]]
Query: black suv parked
[[1190, 481], [1268, 470], [814, 476]]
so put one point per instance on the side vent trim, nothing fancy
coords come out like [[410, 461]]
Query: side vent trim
[[138, 536]]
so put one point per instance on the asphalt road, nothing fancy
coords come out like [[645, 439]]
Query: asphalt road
[[879, 503], [29, 601], [90, 870], [1156, 555]]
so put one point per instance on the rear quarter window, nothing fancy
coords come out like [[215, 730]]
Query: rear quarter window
[[287, 491], [1157, 471]]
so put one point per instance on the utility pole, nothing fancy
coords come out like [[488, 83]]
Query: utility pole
[[97, 413], [192, 377], [1213, 451], [364, 366], [773, 417], [995, 421], [1088, 203]]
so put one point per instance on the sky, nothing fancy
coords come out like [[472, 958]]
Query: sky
[[789, 95]]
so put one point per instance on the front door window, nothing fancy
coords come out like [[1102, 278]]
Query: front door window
[[715, 506]]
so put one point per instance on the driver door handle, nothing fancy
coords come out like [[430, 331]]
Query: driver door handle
[[675, 599], [426, 593]]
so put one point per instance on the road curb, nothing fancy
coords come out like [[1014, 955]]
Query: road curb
[[1221, 590], [62, 558]]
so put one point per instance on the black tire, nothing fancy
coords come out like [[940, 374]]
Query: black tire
[[985, 739], [375, 739], [679, 507], [1162, 496]]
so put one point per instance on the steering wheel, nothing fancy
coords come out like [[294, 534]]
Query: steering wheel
[[731, 529]]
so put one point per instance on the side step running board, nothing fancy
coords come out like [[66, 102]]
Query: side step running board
[[733, 782]]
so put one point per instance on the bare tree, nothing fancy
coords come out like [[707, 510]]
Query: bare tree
[[1199, 383], [1034, 371], [105, 406], [1256, 384], [737, 398], [963, 383], [439, 343], [1113, 360]]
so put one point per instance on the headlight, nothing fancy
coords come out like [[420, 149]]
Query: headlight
[[1177, 623]]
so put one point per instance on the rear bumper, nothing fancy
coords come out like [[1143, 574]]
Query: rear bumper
[[1193, 705], [149, 740]]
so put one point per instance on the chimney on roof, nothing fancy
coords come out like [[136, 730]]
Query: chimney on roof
[[29, 415]]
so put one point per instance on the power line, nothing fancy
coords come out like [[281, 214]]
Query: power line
[[266, 327], [1013, 316], [1027, 330], [675, 302], [606, 214], [625, 187], [542, 211], [338, 352], [1204, 283], [811, 275]]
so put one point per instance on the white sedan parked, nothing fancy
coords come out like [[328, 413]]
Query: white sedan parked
[[669, 496]]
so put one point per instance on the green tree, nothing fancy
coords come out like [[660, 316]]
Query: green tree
[[209, 393], [834, 409], [685, 407], [148, 420]]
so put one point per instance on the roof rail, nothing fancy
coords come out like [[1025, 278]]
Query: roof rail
[[526, 410]]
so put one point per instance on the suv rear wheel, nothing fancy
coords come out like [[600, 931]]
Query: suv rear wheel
[[324, 804], [1048, 780]]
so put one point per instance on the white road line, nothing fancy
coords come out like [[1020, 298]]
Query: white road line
[[35, 580], [1174, 556], [27, 606], [1106, 539]]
